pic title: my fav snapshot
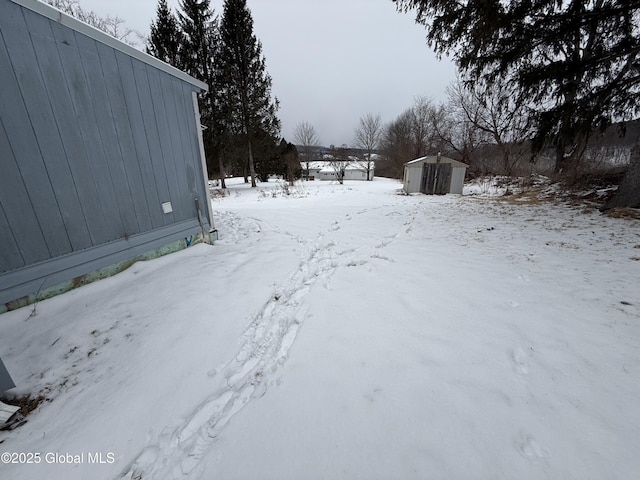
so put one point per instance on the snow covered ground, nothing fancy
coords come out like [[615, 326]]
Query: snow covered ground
[[345, 332]]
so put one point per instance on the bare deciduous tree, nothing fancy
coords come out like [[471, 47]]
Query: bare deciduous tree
[[397, 144], [495, 113], [339, 160], [412, 135], [114, 26], [306, 137], [459, 133], [425, 139], [367, 136]]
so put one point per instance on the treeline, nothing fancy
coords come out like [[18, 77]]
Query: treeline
[[240, 127], [554, 72], [487, 130]]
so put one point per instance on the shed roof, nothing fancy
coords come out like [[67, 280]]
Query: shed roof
[[434, 159], [98, 35]]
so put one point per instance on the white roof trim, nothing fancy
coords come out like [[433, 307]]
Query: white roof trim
[[53, 13], [456, 163]]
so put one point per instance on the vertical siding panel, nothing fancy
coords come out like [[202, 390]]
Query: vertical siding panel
[[24, 119], [10, 257], [16, 203], [148, 190], [190, 141], [71, 121], [152, 133], [175, 122], [60, 124], [78, 71], [166, 145], [96, 59], [103, 222], [191, 150], [188, 136], [117, 101]]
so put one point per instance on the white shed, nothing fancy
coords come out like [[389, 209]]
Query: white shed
[[434, 174]]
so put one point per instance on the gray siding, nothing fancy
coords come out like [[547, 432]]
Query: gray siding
[[457, 180], [6, 382], [92, 142], [413, 177]]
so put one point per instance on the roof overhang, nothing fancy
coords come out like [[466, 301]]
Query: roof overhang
[[434, 159]]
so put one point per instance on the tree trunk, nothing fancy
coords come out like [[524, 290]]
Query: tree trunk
[[221, 168], [252, 170], [559, 157], [628, 194], [506, 159]]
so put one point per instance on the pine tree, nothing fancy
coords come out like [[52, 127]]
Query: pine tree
[[197, 23], [199, 33], [165, 38], [246, 84]]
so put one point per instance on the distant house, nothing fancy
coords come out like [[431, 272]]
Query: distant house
[[326, 170], [100, 152], [434, 175], [314, 169]]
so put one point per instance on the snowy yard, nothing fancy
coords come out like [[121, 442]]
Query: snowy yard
[[346, 332]]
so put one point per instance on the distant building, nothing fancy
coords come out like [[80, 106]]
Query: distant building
[[327, 170]]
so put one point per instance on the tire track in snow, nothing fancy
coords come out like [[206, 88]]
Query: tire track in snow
[[178, 453]]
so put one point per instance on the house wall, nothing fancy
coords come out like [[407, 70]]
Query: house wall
[[355, 175], [326, 175], [92, 142]]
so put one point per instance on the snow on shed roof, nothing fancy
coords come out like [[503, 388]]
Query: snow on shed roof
[[100, 36], [434, 159]]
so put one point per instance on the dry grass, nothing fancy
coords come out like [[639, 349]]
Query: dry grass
[[28, 403], [623, 212], [218, 192], [535, 196], [588, 196]]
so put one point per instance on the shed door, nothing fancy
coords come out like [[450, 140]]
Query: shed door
[[436, 178]]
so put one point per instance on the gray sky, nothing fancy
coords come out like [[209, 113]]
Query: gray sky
[[332, 61]]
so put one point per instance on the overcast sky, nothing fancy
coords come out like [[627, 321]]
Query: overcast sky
[[332, 61]]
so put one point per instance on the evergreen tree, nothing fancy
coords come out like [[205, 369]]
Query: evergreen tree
[[198, 24], [574, 62], [291, 161], [198, 52], [246, 101], [166, 37]]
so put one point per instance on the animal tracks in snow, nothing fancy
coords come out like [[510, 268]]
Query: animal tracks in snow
[[520, 361], [530, 448]]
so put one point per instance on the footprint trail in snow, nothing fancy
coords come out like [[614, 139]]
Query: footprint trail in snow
[[178, 452]]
